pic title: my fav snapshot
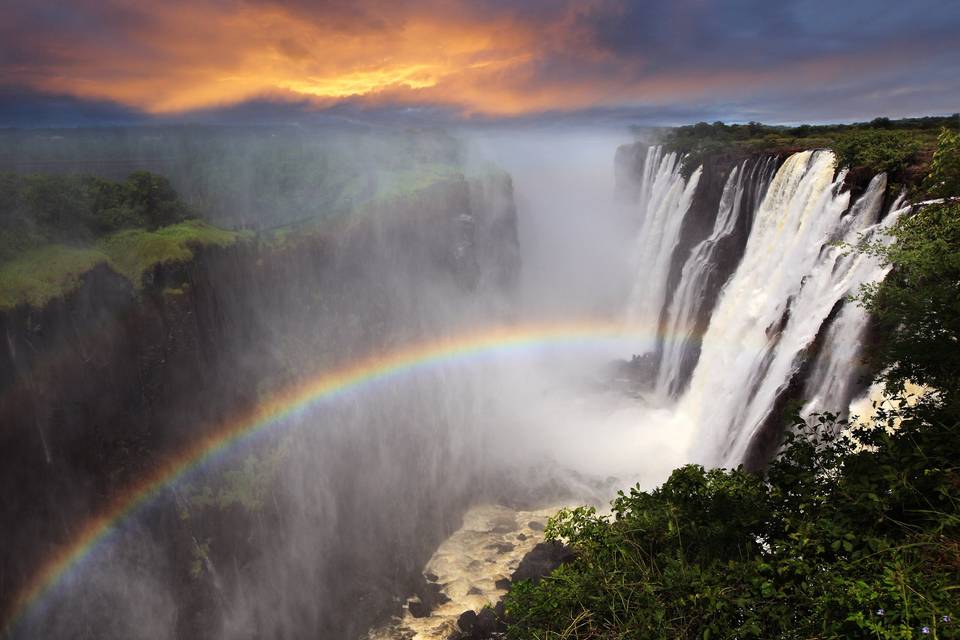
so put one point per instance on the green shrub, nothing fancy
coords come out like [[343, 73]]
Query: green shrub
[[917, 307], [878, 150], [845, 538], [943, 181], [133, 251]]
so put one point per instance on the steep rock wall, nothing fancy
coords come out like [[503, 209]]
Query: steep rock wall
[[96, 387]]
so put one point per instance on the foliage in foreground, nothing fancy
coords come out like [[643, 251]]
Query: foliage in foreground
[[844, 538]]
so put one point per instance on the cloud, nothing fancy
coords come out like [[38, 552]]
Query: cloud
[[22, 107], [477, 60]]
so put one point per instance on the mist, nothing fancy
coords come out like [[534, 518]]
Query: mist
[[363, 243], [321, 523]]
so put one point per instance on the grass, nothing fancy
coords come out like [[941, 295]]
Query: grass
[[36, 276], [40, 275], [132, 252]]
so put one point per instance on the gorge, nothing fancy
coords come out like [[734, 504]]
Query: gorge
[[522, 330]]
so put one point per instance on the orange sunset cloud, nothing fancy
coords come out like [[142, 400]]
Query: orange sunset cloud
[[491, 58]]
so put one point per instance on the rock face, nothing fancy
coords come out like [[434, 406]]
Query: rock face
[[542, 559], [97, 387]]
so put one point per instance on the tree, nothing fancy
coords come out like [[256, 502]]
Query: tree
[[943, 181], [877, 149], [154, 199]]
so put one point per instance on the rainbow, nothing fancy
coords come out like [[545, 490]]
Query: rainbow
[[284, 404]]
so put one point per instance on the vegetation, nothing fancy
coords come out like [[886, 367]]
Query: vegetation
[[54, 229], [879, 145], [846, 537], [42, 208], [917, 308], [944, 177], [133, 251], [248, 177], [853, 531], [878, 150], [246, 483], [42, 274]]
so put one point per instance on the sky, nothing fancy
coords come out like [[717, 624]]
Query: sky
[[71, 62]]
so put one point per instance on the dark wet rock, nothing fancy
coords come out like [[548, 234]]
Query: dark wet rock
[[418, 609], [536, 526], [467, 621], [488, 623], [640, 371], [542, 559], [473, 591], [502, 583], [521, 537], [432, 577], [501, 547]]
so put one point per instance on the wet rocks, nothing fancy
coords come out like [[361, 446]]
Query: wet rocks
[[544, 558], [429, 596], [491, 622]]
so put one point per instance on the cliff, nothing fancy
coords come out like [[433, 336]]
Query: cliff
[[104, 379]]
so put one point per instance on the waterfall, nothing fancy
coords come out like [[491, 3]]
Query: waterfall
[[680, 344], [665, 197], [771, 310], [834, 380]]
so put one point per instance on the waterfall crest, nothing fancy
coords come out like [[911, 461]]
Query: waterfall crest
[[665, 197], [680, 342]]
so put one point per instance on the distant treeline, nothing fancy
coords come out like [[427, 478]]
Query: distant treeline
[[74, 209], [881, 144], [249, 177]]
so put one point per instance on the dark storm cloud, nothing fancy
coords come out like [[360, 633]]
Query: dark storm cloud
[[21, 107]]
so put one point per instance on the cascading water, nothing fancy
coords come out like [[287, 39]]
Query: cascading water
[[773, 307], [687, 303], [787, 291], [665, 197], [834, 381]]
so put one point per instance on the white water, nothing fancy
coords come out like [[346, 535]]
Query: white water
[[833, 381], [695, 276], [772, 308], [665, 197]]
